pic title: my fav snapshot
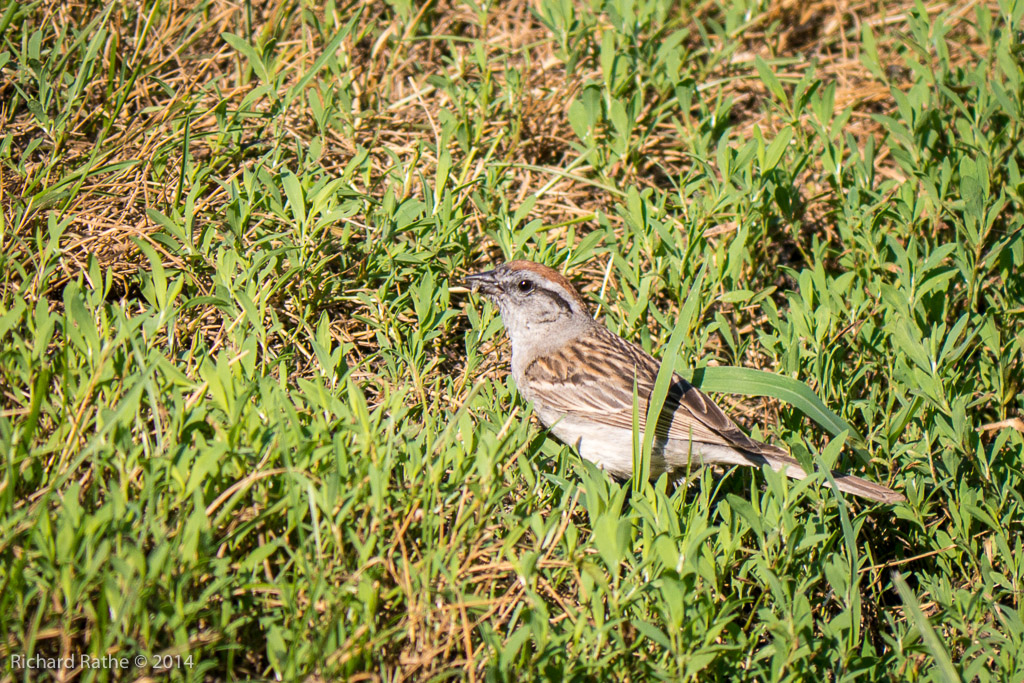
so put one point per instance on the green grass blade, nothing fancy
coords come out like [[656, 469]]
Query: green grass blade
[[687, 315], [641, 462], [750, 382], [931, 640], [849, 537]]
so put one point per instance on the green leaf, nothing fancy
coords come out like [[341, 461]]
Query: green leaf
[[277, 648], [776, 149], [578, 120], [747, 512], [654, 633], [830, 454], [524, 210], [296, 201], [611, 536], [329, 51], [607, 57], [750, 382], [510, 651], [251, 55], [769, 78], [869, 52], [945, 672], [158, 277], [10, 318], [620, 119]]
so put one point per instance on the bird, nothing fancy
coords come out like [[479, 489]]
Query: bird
[[580, 377]]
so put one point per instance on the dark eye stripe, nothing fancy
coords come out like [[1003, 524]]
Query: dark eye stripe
[[557, 298]]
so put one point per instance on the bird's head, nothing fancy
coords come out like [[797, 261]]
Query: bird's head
[[537, 304]]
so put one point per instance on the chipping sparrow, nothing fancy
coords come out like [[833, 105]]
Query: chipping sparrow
[[579, 376]]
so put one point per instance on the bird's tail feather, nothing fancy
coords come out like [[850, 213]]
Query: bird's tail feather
[[847, 483]]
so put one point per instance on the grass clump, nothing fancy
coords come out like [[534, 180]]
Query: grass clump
[[250, 432]]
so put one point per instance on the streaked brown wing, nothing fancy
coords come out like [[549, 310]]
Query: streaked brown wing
[[590, 382]]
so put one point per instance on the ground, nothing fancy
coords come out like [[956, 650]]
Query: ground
[[250, 425]]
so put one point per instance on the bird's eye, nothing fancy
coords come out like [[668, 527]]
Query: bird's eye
[[525, 286]]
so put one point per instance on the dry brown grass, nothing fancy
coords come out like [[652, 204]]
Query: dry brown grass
[[398, 110]]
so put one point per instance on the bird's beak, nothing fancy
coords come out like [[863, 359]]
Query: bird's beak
[[485, 282]]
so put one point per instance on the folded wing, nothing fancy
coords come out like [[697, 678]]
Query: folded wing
[[601, 389]]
